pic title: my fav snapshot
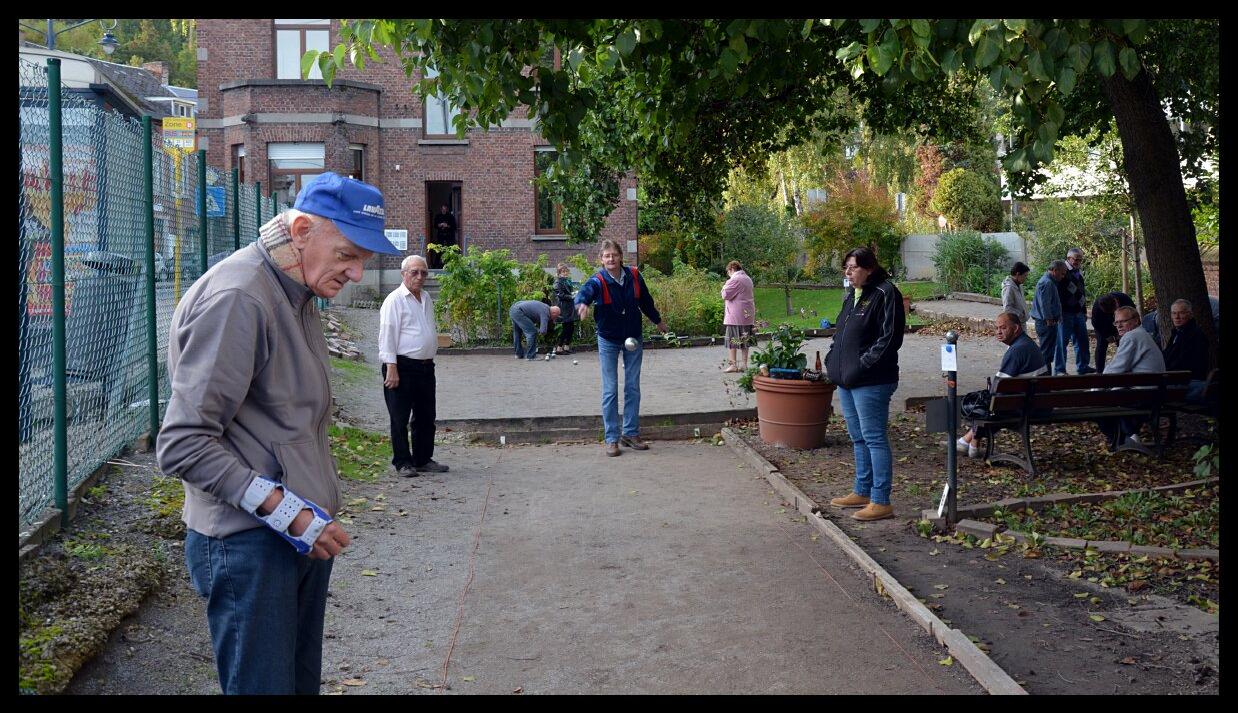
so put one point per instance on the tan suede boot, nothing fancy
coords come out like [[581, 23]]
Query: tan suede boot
[[851, 501], [873, 511]]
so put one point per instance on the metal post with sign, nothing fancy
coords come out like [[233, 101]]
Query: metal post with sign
[[179, 139], [950, 365]]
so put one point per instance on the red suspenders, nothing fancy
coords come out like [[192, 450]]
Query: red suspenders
[[606, 292]]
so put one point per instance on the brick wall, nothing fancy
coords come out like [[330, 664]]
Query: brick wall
[[494, 169]]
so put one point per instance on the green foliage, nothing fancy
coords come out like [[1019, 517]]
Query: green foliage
[[361, 456], [689, 299], [968, 262], [146, 40], [782, 351], [1095, 226], [1208, 460], [166, 497], [533, 282], [765, 241], [968, 200], [657, 250], [856, 213], [475, 292]]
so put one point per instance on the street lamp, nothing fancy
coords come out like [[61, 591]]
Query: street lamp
[[108, 41]]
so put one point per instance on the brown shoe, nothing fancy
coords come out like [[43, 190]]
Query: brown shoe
[[612, 449], [851, 501], [873, 511], [634, 442]]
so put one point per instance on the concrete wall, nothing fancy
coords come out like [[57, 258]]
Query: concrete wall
[[918, 252]]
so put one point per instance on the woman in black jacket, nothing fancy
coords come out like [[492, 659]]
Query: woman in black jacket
[[567, 311], [863, 364]]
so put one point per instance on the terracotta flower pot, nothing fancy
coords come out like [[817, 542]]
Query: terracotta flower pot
[[793, 412], [906, 306]]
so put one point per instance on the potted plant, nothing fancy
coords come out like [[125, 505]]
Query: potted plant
[[791, 410]]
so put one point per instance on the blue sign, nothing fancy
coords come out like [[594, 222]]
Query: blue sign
[[216, 200]]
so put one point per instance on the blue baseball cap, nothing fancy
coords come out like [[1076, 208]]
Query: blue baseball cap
[[356, 208]]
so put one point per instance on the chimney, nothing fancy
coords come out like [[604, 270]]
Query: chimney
[[159, 69]]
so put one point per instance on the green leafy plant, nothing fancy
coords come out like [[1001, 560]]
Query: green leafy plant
[[858, 213], [969, 200], [966, 261], [764, 240], [1208, 460], [782, 351]]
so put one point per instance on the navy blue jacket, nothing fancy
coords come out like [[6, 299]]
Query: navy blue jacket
[[621, 318]]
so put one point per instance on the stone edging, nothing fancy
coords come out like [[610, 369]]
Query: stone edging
[[987, 673], [984, 530]]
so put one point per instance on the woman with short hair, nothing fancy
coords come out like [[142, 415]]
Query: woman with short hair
[[1013, 299], [863, 365], [740, 316]]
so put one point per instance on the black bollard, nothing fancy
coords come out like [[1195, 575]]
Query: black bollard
[[952, 432]]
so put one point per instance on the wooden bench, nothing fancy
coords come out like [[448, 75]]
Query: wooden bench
[[1211, 406], [1018, 403]]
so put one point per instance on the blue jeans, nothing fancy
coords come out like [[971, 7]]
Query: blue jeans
[[1073, 327], [521, 323], [608, 353], [867, 411], [1048, 341], [265, 606]]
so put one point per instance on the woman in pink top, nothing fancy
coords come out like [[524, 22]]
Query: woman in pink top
[[741, 312]]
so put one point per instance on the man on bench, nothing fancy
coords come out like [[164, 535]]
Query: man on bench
[[1137, 354], [1023, 358]]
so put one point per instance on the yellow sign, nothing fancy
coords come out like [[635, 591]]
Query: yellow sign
[[178, 134]]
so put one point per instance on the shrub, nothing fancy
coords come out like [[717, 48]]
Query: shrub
[[657, 250], [764, 240], [966, 261], [857, 213], [689, 299], [968, 200], [475, 292]]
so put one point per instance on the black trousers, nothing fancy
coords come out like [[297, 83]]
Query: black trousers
[[565, 333], [411, 406], [1102, 346]]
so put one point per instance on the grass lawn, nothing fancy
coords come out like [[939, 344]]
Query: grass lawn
[[771, 303]]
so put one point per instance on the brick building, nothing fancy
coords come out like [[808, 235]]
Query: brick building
[[255, 113]]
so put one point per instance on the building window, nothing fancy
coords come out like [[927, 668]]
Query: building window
[[293, 38], [356, 161], [548, 215], [238, 160], [181, 109], [292, 164], [439, 113]]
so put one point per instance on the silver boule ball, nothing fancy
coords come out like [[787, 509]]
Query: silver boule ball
[[575, 362], [952, 337], [630, 344]]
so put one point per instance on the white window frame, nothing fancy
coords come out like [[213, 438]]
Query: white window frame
[[442, 110]]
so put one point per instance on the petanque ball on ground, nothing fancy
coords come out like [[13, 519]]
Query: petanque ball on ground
[[630, 344], [575, 362]]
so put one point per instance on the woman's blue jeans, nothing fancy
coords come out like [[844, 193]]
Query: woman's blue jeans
[[265, 606], [867, 411], [608, 355]]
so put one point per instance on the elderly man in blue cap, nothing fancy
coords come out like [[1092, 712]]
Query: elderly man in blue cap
[[246, 432]]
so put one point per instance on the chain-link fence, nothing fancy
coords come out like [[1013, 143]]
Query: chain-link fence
[[107, 315]]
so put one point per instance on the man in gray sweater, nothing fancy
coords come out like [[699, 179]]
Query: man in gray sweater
[[530, 318], [1137, 354], [246, 432]]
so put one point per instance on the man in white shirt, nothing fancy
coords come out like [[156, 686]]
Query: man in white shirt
[[407, 343]]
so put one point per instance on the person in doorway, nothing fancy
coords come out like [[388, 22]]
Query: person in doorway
[[1022, 358], [1047, 310], [740, 316], [1074, 325], [407, 345], [530, 318], [246, 432], [619, 295], [863, 363], [1102, 323], [445, 226], [564, 290], [1013, 300]]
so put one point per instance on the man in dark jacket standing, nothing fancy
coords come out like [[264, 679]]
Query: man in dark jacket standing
[[1187, 349], [1102, 323], [1073, 297], [619, 295], [863, 364]]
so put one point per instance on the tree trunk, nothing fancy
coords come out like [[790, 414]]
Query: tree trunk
[[1153, 169]]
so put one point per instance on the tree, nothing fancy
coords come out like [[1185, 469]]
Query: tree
[[172, 41], [968, 200], [682, 101]]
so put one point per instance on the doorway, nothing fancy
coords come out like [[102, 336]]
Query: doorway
[[438, 194]]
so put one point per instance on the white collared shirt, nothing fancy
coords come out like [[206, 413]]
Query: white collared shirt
[[406, 326]]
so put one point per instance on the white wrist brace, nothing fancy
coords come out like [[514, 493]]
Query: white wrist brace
[[284, 513]]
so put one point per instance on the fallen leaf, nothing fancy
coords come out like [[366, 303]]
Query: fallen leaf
[[999, 580], [353, 682], [633, 492], [1129, 661], [519, 689], [935, 552], [368, 573], [1081, 595], [469, 678], [948, 661], [1096, 617], [941, 586], [1095, 600]]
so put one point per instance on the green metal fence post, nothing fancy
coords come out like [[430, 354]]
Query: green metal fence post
[[236, 209], [203, 249], [60, 443], [257, 208], [152, 341], [274, 207]]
